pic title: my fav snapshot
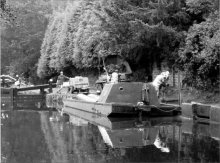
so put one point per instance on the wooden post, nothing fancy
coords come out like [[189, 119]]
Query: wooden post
[[12, 98], [42, 91], [11, 92], [174, 77], [50, 87], [179, 143], [15, 93], [179, 88]]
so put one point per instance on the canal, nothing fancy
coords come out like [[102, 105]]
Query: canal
[[33, 133]]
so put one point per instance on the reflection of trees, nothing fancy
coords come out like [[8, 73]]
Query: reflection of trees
[[67, 142], [204, 148], [200, 147], [22, 138], [31, 137], [85, 144]]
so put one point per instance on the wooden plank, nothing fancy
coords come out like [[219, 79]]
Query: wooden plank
[[27, 98], [36, 87]]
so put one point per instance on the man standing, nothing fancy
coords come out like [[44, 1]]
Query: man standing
[[18, 82], [61, 78]]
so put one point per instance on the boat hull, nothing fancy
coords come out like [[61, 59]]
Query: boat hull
[[100, 108]]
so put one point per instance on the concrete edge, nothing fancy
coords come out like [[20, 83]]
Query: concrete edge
[[201, 112]]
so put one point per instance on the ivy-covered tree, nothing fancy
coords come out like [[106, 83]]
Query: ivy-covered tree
[[201, 53]]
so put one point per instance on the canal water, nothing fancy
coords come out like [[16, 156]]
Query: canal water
[[33, 133]]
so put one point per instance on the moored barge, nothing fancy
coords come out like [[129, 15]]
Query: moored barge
[[122, 98]]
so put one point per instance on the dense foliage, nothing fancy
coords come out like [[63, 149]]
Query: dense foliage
[[201, 53], [89, 30], [23, 26], [144, 32], [184, 33]]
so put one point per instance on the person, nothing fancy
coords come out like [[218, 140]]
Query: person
[[160, 80], [61, 78], [18, 82], [17, 77], [115, 76]]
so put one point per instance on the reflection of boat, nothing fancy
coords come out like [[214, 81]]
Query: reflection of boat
[[132, 137], [115, 123], [122, 98], [76, 121], [126, 132]]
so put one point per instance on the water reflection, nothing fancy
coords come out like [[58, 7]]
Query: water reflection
[[46, 136], [21, 138], [129, 139]]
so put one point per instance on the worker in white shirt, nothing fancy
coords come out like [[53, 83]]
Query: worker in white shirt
[[115, 76], [160, 80]]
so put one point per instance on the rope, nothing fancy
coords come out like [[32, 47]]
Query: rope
[[140, 104], [164, 110]]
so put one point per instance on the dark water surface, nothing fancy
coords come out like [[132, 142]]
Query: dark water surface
[[39, 135]]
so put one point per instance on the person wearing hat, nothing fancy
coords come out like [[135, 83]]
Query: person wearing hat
[[61, 78]]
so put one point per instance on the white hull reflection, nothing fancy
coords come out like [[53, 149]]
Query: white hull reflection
[[129, 132]]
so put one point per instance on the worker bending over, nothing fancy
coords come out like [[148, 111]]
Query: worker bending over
[[160, 80]]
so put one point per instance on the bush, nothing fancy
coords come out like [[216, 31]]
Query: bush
[[200, 54]]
